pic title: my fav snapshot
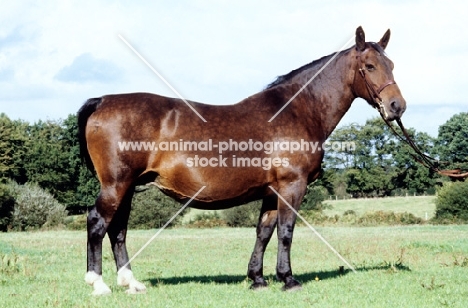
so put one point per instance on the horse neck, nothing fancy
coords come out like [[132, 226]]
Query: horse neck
[[329, 95]]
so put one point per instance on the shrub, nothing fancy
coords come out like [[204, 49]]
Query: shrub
[[243, 216], [7, 204], [35, 208], [388, 218], [76, 222], [315, 217], [452, 202], [314, 197], [152, 209], [207, 220], [349, 212], [350, 217]]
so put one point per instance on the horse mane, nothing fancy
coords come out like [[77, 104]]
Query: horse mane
[[378, 48], [287, 77]]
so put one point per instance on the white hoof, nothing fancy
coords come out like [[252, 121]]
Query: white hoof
[[95, 280], [136, 287], [125, 278]]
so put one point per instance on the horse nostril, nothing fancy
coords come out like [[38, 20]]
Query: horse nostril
[[395, 106]]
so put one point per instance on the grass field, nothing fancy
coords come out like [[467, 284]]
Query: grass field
[[412, 266], [422, 206]]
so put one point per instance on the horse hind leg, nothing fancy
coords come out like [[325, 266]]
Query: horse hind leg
[[99, 219], [97, 226], [265, 227], [117, 233]]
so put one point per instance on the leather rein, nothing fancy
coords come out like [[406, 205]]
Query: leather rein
[[422, 158]]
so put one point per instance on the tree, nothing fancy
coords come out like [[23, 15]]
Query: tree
[[13, 147], [380, 164], [84, 186], [47, 161], [452, 142], [52, 161], [412, 176]]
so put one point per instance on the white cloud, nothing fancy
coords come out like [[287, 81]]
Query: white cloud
[[216, 51], [86, 68]]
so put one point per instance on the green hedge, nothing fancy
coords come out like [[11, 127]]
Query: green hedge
[[452, 203], [151, 209]]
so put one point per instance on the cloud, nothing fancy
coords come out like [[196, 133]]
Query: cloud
[[14, 37], [86, 68], [6, 74], [55, 55]]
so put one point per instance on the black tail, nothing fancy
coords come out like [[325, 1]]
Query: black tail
[[83, 114]]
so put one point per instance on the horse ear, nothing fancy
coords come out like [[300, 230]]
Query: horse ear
[[360, 39], [384, 40]]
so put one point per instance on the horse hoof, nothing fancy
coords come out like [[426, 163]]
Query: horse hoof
[[100, 288], [258, 286], [136, 287], [292, 286]]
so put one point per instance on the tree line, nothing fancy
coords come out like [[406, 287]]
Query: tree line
[[47, 153], [383, 165]]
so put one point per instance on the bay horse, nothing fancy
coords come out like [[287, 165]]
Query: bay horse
[[239, 167]]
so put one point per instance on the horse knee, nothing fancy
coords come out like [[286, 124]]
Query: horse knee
[[285, 234], [96, 225]]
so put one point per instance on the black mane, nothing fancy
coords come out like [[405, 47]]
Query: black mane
[[378, 48], [285, 78]]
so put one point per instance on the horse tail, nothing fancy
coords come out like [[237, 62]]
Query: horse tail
[[83, 115]]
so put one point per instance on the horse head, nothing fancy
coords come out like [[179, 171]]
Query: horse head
[[374, 80]]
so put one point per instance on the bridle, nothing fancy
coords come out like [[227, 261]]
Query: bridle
[[422, 158], [373, 91]]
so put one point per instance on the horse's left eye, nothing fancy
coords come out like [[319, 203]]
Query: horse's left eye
[[370, 67]]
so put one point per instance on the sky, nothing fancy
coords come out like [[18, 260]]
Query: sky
[[54, 55]]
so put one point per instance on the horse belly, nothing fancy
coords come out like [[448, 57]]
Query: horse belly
[[226, 184]]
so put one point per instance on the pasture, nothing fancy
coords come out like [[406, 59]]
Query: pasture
[[420, 206], [411, 266]]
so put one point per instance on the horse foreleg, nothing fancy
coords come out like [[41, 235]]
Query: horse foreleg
[[265, 227], [117, 233], [286, 221]]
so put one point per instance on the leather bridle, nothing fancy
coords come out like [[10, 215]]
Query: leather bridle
[[422, 158], [374, 92]]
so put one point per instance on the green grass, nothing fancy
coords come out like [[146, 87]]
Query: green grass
[[418, 206], [415, 266]]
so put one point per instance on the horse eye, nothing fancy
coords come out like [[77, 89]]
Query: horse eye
[[370, 67]]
